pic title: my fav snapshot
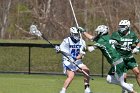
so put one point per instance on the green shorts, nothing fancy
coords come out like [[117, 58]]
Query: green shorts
[[130, 63], [120, 68]]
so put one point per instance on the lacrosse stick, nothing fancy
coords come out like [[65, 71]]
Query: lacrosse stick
[[74, 16], [35, 31], [73, 13]]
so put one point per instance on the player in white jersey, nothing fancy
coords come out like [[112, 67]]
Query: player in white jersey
[[74, 47]]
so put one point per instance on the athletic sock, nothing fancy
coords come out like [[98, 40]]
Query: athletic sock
[[63, 89], [86, 85]]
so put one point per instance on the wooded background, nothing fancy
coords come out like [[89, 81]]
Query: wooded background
[[54, 17]]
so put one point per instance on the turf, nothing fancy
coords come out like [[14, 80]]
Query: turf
[[24, 83]]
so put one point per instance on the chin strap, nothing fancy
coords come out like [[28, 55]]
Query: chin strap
[[74, 40]]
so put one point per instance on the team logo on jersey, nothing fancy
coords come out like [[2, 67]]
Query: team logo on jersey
[[75, 46], [125, 39]]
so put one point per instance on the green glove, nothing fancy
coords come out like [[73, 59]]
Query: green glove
[[81, 29]]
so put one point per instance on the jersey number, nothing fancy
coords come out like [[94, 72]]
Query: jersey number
[[75, 52], [126, 46]]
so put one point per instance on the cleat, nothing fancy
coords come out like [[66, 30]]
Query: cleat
[[62, 92], [87, 90]]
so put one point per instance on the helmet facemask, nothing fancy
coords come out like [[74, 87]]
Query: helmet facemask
[[124, 26], [123, 29], [74, 34]]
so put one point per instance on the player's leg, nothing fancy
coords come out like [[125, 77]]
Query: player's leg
[[70, 76], [86, 78], [125, 80], [134, 67], [126, 86], [137, 74], [119, 74], [126, 69], [69, 69], [112, 80]]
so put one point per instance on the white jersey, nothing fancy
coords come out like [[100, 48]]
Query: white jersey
[[72, 49]]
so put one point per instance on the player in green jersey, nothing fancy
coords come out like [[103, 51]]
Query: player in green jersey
[[123, 40], [112, 56]]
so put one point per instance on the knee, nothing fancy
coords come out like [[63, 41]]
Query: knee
[[70, 78], [138, 75], [86, 69], [136, 71]]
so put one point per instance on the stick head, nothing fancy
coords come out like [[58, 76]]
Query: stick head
[[35, 31]]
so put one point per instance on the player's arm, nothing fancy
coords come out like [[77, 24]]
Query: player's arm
[[91, 37], [88, 35], [113, 39], [137, 48], [83, 31], [82, 52], [138, 45], [80, 56]]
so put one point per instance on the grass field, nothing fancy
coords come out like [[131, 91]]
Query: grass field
[[46, 60], [23, 83]]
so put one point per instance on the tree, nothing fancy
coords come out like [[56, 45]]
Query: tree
[[5, 8]]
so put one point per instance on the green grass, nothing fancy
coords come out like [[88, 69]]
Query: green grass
[[23, 83], [45, 59]]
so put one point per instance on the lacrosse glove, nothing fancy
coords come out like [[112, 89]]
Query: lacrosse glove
[[136, 50], [57, 48], [82, 30], [91, 48]]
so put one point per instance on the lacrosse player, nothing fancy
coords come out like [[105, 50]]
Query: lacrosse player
[[74, 47], [123, 40], [112, 56]]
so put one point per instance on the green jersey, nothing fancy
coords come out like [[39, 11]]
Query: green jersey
[[106, 48], [125, 42]]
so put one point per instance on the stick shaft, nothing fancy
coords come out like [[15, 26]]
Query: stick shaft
[[68, 58], [85, 73], [73, 13], [74, 16]]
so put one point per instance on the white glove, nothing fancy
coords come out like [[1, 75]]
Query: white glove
[[91, 48], [57, 48], [135, 50], [82, 52], [113, 42]]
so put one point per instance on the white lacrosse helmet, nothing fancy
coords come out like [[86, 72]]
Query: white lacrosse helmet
[[124, 26], [102, 29], [74, 34]]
